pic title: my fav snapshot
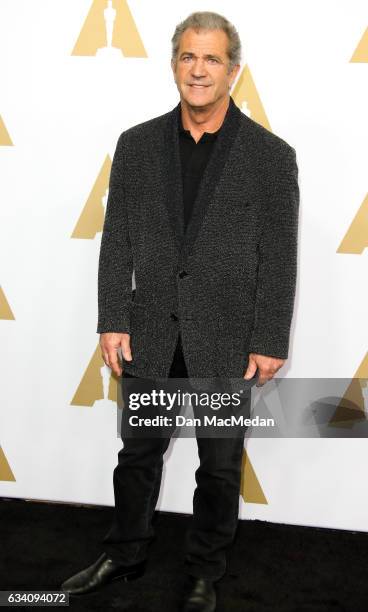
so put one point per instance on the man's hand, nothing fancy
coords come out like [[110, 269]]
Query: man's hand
[[110, 343], [267, 367]]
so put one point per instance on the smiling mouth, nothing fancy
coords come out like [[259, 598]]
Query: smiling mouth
[[197, 86]]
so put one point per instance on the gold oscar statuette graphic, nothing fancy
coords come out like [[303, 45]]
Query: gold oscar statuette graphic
[[5, 471], [98, 383], [250, 488], [356, 238], [353, 406], [109, 31], [5, 310], [5, 139], [360, 54], [92, 216], [246, 97]]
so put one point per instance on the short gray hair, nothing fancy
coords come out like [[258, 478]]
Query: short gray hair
[[206, 20]]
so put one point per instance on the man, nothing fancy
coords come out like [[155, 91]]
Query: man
[[203, 206]]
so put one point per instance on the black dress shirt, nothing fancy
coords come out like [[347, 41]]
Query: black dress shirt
[[194, 157]]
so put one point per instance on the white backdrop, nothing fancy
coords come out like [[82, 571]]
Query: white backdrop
[[62, 107]]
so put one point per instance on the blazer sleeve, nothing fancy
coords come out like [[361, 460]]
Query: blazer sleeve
[[115, 266], [277, 271]]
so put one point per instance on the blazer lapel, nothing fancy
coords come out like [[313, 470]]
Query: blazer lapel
[[172, 176], [210, 178]]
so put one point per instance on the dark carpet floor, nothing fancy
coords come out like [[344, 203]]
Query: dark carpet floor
[[271, 567]]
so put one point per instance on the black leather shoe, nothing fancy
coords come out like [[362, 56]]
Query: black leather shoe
[[201, 596], [102, 572]]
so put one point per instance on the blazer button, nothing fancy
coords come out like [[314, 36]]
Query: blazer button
[[173, 316], [183, 273]]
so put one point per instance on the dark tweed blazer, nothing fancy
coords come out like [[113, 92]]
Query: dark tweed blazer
[[228, 284]]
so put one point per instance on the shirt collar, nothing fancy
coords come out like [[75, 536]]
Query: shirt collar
[[205, 135]]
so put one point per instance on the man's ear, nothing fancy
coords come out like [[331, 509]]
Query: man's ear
[[173, 68], [234, 74]]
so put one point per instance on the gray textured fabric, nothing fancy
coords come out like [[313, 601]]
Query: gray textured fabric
[[230, 280]]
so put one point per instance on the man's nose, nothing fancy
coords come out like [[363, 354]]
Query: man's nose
[[198, 68]]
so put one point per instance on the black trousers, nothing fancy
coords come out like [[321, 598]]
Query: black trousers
[[137, 480]]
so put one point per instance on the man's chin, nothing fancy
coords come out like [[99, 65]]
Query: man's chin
[[196, 103]]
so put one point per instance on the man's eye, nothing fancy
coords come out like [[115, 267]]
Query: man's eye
[[212, 59]]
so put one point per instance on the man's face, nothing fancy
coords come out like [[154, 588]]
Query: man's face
[[201, 70]]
